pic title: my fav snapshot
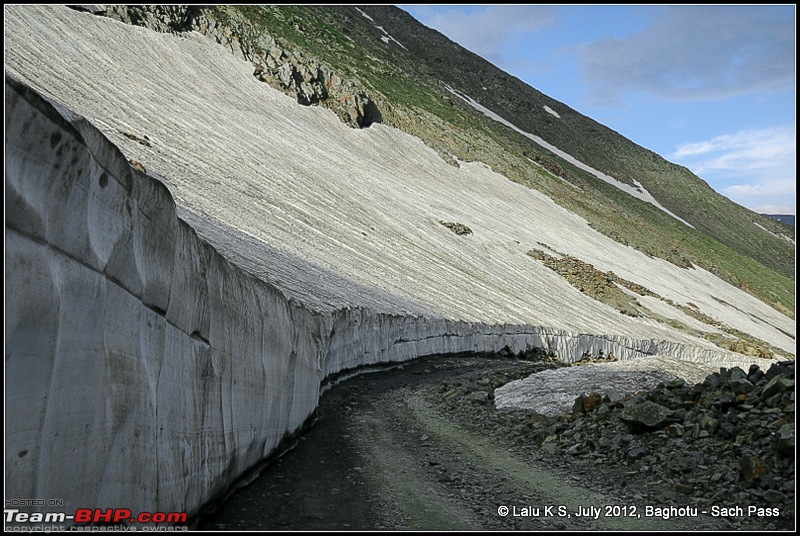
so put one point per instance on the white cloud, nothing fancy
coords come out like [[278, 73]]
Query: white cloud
[[754, 167], [765, 188], [778, 140], [774, 209], [767, 149], [696, 52]]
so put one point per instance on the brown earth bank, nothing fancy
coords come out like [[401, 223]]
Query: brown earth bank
[[422, 447]]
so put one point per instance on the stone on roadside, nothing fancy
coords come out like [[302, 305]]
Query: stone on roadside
[[644, 416]]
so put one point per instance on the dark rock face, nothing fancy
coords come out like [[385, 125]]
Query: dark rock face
[[371, 113]]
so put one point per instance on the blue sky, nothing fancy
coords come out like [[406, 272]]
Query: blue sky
[[708, 87]]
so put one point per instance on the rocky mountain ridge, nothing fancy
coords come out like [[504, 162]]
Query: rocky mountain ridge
[[283, 67]]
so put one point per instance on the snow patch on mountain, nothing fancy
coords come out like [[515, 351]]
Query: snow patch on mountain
[[365, 15], [638, 191], [781, 236], [386, 38]]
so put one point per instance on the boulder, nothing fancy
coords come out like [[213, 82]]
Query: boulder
[[645, 416]]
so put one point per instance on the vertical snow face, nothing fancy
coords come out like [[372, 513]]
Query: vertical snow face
[[137, 358]]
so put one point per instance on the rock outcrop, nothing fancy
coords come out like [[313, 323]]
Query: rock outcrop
[[310, 81]]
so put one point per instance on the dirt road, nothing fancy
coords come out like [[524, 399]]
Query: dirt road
[[388, 451]]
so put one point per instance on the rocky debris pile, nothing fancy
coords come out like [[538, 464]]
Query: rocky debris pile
[[728, 439], [602, 286], [458, 228], [607, 287], [539, 355], [308, 80], [588, 359], [480, 391]]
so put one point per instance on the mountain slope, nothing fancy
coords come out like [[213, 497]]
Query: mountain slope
[[394, 90], [411, 72], [674, 186], [191, 252]]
